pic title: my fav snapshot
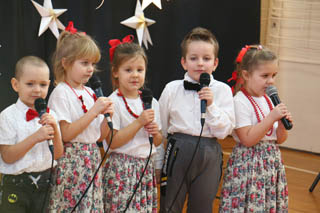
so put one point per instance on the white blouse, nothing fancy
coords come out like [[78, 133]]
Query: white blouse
[[69, 108], [14, 128], [245, 115], [139, 146]]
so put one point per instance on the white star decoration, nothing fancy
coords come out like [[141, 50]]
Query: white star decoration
[[145, 3], [49, 17], [140, 23]]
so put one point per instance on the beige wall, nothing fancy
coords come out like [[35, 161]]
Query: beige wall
[[292, 29]]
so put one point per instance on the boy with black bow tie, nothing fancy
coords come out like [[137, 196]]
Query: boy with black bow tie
[[180, 116], [25, 158]]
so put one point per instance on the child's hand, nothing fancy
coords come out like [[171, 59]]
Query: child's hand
[[47, 119], [46, 132], [146, 117], [103, 105], [289, 117], [279, 112], [152, 128], [206, 94]]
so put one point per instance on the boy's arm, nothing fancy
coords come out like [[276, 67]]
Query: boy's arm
[[12, 153], [220, 116]]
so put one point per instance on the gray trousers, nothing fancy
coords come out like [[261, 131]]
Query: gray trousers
[[202, 180]]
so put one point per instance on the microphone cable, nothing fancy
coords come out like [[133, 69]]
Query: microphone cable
[[50, 176], [188, 168], [137, 185], [95, 174]]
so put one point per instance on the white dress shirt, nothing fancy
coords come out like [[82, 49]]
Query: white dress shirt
[[69, 108], [245, 115], [14, 128], [180, 110]]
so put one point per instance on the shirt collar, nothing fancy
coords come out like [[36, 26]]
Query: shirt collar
[[188, 78], [22, 106]]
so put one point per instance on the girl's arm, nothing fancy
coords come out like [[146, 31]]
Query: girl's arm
[[71, 130], [251, 135], [282, 133], [124, 135], [12, 153]]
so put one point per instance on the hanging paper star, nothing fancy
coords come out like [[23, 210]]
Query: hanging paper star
[[49, 17], [145, 3], [140, 23]]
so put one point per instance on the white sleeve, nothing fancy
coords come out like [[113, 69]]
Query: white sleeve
[[220, 115], [243, 115], [159, 156], [8, 135], [164, 111], [60, 105]]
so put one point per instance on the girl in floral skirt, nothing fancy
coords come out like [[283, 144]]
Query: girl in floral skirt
[[255, 180], [132, 127], [82, 123]]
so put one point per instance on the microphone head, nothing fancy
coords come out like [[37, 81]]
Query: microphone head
[[271, 90], [146, 96], [41, 106], [95, 82], [204, 79]]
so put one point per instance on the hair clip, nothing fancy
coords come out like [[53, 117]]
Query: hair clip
[[115, 42]]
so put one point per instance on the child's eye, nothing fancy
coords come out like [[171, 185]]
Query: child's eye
[[29, 84], [193, 58], [128, 70], [140, 70], [207, 58], [43, 85]]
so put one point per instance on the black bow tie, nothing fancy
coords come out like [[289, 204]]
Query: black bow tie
[[191, 86]]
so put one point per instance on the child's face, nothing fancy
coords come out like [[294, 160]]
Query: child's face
[[257, 81], [79, 73], [32, 84], [131, 76], [199, 59]]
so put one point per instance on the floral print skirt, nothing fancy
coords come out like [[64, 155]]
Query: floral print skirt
[[254, 180], [73, 174], [121, 174]]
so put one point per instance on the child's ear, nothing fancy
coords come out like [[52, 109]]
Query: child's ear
[[245, 74], [15, 84], [64, 63], [183, 63], [215, 65]]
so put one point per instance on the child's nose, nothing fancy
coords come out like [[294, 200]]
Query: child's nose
[[36, 88]]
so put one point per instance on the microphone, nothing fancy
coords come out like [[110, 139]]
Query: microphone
[[273, 94], [146, 97], [95, 84], [204, 82], [41, 107]]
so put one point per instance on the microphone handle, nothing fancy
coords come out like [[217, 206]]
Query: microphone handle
[[99, 93], [286, 123]]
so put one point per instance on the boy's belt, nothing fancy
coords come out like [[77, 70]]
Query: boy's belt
[[27, 178]]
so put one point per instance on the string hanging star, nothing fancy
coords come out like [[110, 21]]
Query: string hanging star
[[145, 3], [140, 23], [49, 17]]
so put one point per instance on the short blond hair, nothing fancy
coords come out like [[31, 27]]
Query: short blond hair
[[70, 47], [31, 60]]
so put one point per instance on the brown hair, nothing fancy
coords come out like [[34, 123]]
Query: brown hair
[[199, 34], [124, 52], [32, 60], [70, 47], [253, 57]]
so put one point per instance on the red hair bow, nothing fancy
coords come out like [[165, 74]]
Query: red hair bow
[[242, 53], [70, 28], [235, 78], [115, 42]]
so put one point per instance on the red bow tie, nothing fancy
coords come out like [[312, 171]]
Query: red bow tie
[[31, 114]]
